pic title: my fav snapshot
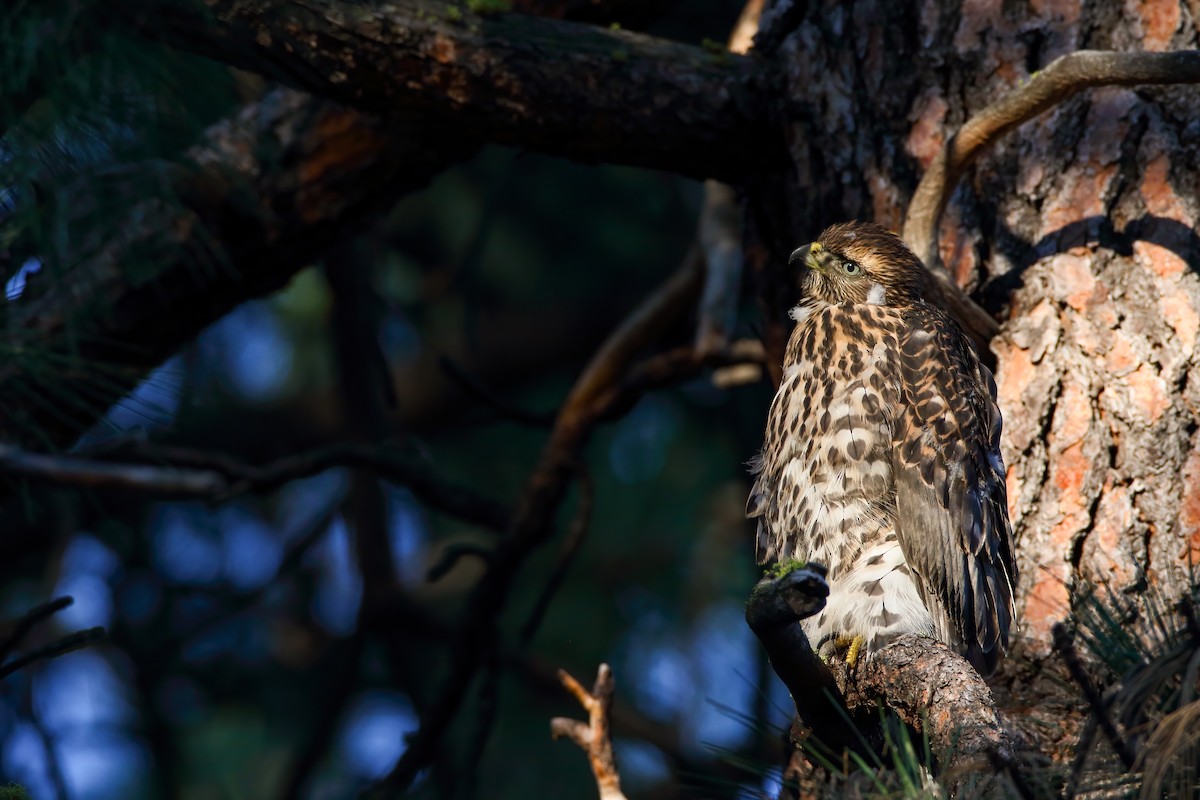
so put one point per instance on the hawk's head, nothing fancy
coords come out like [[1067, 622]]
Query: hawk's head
[[861, 262]]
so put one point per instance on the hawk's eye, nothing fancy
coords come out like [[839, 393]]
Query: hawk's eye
[[850, 268]]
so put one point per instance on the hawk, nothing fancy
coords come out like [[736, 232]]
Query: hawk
[[881, 458]]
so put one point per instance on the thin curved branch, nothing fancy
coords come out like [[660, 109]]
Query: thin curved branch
[[1065, 77]]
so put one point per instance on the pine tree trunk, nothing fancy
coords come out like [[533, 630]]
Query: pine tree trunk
[[1077, 230]]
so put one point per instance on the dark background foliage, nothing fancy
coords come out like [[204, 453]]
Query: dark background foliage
[[231, 669]]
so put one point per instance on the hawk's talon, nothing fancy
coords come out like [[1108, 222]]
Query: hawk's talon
[[853, 646]]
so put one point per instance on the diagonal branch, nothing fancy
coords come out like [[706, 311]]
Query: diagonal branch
[[1065, 77], [564, 88], [533, 521]]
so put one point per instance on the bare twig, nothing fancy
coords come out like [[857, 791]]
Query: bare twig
[[593, 736], [672, 367], [31, 618], [1065, 645], [60, 647], [451, 556], [1065, 77], [75, 471]]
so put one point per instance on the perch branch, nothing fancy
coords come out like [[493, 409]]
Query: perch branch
[[593, 736], [928, 685], [1065, 77]]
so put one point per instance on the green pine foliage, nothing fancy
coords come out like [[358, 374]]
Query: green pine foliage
[[1147, 647]]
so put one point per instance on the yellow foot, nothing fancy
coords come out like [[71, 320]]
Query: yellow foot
[[852, 645]]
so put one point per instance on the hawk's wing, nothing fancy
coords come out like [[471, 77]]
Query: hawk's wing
[[952, 520]]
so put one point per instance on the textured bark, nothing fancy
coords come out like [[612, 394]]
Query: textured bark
[[585, 92], [1079, 226], [1077, 231]]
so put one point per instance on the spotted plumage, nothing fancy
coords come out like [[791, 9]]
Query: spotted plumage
[[881, 457]]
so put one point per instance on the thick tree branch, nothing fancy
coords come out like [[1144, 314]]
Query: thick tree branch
[[1065, 77], [569, 89]]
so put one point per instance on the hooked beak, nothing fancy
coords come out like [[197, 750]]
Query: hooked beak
[[808, 256]]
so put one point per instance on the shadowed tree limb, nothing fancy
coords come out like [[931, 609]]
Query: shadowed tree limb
[[265, 193], [593, 736], [569, 89], [1065, 77]]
